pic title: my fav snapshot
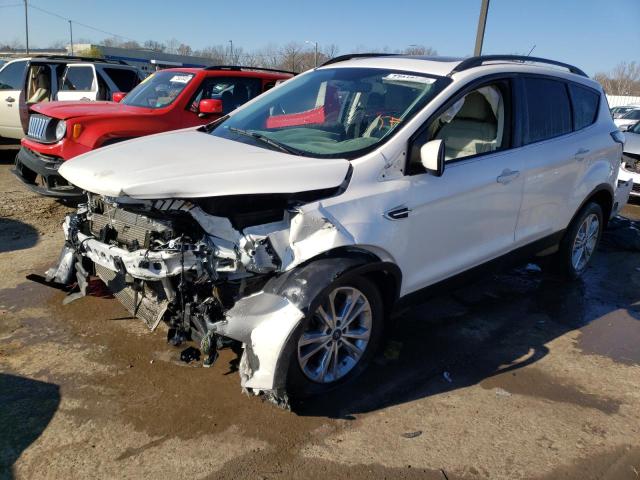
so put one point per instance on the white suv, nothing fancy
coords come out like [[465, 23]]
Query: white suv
[[293, 225]]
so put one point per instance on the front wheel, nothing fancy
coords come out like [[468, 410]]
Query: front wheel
[[335, 342], [581, 240]]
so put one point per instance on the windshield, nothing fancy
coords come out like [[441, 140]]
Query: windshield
[[338, 112], [158, 90]]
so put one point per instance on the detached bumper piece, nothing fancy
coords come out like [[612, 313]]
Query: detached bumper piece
[[621, 196], [40, 174]]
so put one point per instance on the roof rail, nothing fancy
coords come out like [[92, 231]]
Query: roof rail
[[479, 60], [344, 58], [80, 59], [241, 67]]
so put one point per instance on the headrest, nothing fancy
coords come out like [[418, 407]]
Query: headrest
[[475, 107]]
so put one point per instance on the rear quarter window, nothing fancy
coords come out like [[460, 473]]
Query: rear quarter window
[[585, 106], [124, 79], [548, 111]]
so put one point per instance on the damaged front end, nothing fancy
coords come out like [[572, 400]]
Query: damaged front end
[[201, 267]]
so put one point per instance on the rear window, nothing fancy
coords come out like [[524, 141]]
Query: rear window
[[78, 78], [548, 110], [124, 79], [585, 106]]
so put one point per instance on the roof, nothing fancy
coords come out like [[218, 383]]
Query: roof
[[451, 66]]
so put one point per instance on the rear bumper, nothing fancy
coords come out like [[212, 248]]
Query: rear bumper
[[40, 174]]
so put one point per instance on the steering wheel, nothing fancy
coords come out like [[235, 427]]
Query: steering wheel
[[380, 125]]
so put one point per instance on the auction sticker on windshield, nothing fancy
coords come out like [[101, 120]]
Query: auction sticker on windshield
[[181, 78], [401, 77]]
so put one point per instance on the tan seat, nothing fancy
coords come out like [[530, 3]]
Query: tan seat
[[473, 130], [41, 93]]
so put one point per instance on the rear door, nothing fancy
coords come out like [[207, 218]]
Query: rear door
[[79, 82], [553, 158], [12, 82]]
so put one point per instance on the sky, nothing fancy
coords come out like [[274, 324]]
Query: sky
[[595, 35]]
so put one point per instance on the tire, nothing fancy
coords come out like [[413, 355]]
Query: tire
[[305, 376], [581, 224]]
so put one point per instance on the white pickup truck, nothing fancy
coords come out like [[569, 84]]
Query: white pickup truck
[[26, 81]]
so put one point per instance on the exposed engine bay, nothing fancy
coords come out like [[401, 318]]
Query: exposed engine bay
[[203, 267]]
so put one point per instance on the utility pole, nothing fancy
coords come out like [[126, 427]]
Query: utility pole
[[26, 24], [71, 36], [482, 22], [315, 55], [230, 52]]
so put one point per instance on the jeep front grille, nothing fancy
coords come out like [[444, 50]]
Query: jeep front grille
[[38, 127]]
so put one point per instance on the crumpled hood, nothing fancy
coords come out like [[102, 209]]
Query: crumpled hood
[[190, 163], [66, 110]]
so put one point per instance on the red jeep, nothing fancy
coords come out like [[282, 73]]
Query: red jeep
[[167, 100]]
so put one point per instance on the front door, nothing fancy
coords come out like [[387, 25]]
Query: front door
[[469, 214]]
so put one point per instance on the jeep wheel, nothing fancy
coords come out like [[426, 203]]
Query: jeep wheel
[[581, 240], [336, 342]]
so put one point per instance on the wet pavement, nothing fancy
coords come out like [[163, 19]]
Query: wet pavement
[[515, 375]]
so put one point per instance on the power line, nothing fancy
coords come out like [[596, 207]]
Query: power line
[[79, 23]]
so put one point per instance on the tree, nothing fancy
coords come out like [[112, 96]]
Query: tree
[[624, 79], [92, 52], [420, 50], [184, 49], [155, 46]]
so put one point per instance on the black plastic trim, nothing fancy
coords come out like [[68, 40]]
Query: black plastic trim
[[472, 62]]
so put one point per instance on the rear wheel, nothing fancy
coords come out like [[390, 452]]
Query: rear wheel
[[336, 342], [581, 240]]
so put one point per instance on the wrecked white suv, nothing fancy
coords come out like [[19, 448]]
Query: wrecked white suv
[[292, 226]]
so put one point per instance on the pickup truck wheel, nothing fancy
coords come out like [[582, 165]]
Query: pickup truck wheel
[[581, 240], [335, 343]]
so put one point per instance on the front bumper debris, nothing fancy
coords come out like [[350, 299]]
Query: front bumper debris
[[40, 174]]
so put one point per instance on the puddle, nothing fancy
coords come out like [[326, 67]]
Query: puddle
[[533, 382], [616, 336]]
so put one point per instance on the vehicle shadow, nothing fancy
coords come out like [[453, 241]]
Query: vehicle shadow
[[16, 235], [493, 326], [8, 152], [26, 408]]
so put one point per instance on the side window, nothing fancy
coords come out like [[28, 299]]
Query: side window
[[233, 91], [585, 106], [124, 79], [12, 76], [78, 78], [548, 113], [474, 124]]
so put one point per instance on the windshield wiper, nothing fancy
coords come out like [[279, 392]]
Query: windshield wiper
[[269, 141]]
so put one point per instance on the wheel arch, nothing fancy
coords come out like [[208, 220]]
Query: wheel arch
[[603, 195], [303, 284]]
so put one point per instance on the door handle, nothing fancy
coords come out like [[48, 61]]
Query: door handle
[[397, 213], [580, 154], [507, 176], [9, 99]]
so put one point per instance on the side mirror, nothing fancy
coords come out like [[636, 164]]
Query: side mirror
[[209, 106], [118, 96], [432, 157]]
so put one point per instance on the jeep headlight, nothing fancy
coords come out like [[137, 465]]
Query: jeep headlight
[[61, 130]]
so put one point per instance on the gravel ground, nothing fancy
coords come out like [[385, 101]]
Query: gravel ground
[[517, 376]]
